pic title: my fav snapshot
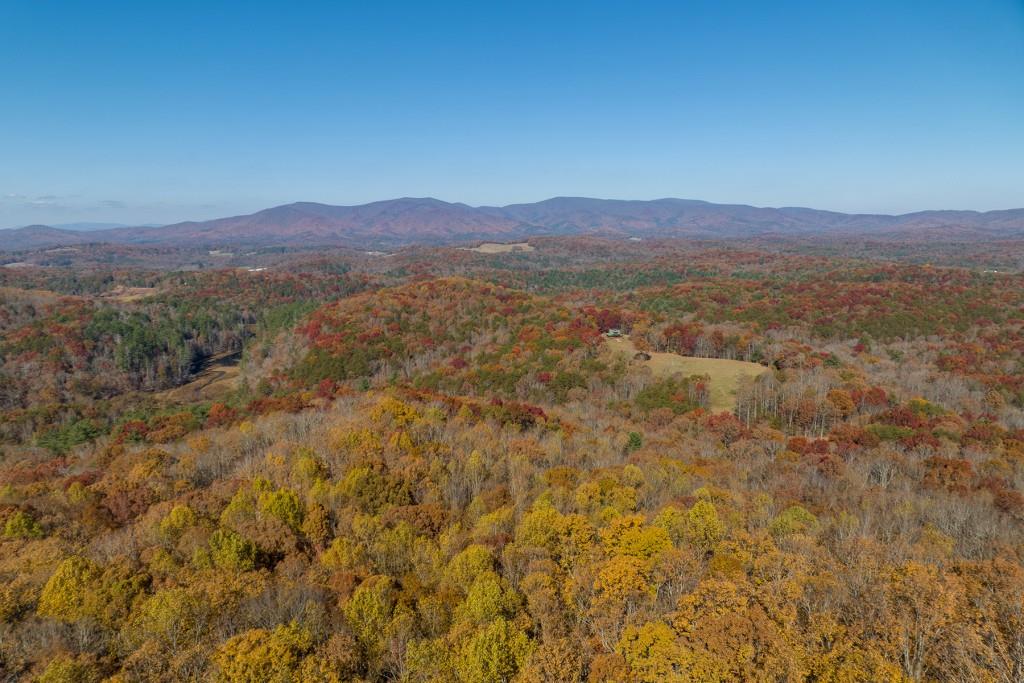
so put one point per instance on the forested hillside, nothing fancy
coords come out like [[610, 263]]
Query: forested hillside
[[433, 466]]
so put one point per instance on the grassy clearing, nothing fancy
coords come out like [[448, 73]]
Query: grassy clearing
[[725, 374], [35, 296], [498, 248], [215, 382], [122, 293]]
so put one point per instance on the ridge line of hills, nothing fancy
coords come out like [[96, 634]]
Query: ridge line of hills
[[405, 221]]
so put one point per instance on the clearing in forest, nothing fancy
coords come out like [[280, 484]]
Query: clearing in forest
[[725, 374], [217, 377], [35, 296], [123, 293], [498, 248]]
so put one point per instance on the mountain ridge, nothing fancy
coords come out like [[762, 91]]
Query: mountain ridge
[[426, 220]]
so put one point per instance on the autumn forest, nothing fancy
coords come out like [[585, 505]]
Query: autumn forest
[[596, 460]]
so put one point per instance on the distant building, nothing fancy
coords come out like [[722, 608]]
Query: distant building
[[613, 332]]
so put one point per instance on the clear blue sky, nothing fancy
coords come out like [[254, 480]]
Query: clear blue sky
[[160, 111]]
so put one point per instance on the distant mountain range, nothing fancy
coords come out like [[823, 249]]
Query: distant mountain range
[[398, 222]]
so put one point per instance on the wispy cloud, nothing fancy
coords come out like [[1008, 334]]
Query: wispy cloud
[[58, 202], [18, 208], [46, 202]]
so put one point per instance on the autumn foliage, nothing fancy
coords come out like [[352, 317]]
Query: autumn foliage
[[434, 470]]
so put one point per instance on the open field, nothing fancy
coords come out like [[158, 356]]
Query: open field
[[218, 377], [725, 374], [36, 296], [122, 293], [499, 248]]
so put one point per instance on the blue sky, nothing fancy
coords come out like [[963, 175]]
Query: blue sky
[[161, 111]]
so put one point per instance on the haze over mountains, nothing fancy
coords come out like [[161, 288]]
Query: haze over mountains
[[399, 222], [86, 226]]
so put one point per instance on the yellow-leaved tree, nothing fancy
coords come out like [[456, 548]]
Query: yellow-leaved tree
[[494, 654], [262, 656], [70, 592]]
